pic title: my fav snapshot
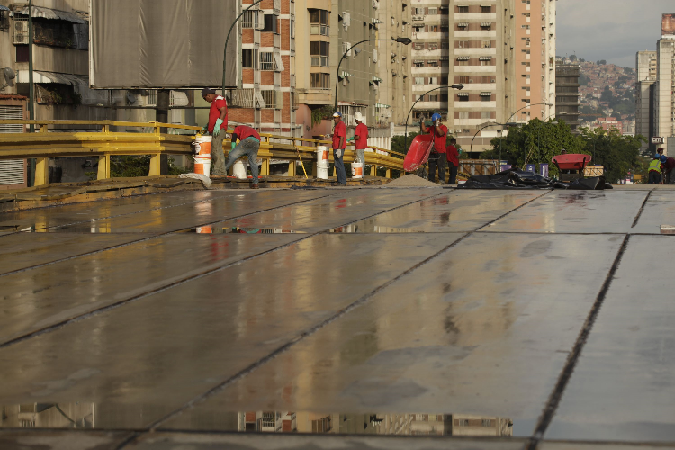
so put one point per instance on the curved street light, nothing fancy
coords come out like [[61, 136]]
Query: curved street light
[[227, 41], [527, 106], [337, 74], [459, 87]]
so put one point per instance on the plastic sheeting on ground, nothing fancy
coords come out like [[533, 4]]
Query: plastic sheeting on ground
[[516, 179]]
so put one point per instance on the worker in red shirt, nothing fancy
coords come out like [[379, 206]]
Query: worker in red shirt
[[453, 160], [249, 143], [339, 146], [361, 138], [217, 127], [668, 168], [437, 157]]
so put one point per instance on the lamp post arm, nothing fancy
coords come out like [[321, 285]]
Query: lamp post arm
[[405, 140], [527, 106], [227, 41], [337, 74]]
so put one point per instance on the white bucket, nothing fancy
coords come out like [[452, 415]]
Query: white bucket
[[322, 157], [357, 170], [202, 161], [239, 170], [322, 173], [202, 165]]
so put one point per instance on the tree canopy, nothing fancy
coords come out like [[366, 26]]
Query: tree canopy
[[538, 142]]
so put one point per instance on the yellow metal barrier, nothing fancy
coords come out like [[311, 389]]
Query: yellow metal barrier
[[43, 145]]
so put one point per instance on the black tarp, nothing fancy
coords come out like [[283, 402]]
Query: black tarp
[[517, 179]]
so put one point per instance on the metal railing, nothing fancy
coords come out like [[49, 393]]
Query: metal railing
[[150, 140]]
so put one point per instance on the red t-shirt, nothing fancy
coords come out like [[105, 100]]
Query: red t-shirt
[[362, 136], [452, 155], [439, 141], [243, 132], [214, 114], [340, 131]]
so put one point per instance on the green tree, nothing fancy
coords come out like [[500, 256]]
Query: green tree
[[602, 62], [618, 154], [398, 142], [535, 142]]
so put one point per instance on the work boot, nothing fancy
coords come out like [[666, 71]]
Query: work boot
[[255, 186]]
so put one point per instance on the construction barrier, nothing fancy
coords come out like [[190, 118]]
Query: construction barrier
[[150, 140]]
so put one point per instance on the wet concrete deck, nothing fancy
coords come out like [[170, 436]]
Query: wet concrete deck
[[357, 318]]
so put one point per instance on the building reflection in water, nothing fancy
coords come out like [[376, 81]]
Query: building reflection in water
[[83, 415], [49, 415], [375, 424]]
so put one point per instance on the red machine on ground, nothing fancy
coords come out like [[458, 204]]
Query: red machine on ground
[[571, 166]]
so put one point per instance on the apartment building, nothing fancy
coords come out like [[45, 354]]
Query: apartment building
[[664, 91], [645, 71], [567, 96], [266, 97], [392, 82], [502, 51]]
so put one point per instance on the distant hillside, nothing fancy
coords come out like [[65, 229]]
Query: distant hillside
[[607, 90]]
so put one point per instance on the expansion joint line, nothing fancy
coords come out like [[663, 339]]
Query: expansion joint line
[[511, 211], [155, 236], [642, 208], [573, 358]]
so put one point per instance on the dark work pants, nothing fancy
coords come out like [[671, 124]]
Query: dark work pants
[[453, 173], [338, 155], [654, 177], [437, 160]]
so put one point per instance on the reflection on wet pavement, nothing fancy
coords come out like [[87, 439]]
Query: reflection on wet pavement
[[240, 313], [455, 211]]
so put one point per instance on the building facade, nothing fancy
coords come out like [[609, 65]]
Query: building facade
[[664, 91], [645, 72], [502, 51], [567, 96]]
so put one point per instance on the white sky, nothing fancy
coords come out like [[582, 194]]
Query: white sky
[[609, 29]]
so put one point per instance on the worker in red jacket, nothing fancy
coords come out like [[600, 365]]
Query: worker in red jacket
[[453, 160], [217, 128], [437, 156], [249, 143], [339, 146]]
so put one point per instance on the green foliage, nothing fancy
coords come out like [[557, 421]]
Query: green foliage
[[535, 142], [538, 142], [138, 166], [573, 58], [321, 113], [398, 143], [584, 80], [602, 62], [618, 154]]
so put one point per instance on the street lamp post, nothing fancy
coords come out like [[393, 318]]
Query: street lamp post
[[454, 86], [508, 124], [337, 78], [527, 106], [227, 41]]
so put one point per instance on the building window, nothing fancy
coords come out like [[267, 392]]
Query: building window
[[463, 115], [418, 64], [271, 23], [432, 28], [463, 97], [486, 115], [485, 97], [249, 19], [432, 11], [486, 44], [21, 53], [464, 44], [432, 63], [248, 58], [433, 81], [433, 46], [320, 80], [4, 20], [486, 9], [464, 80], [485, 62], [445, 44], [462, 61], [318, 51], [269, 97], [418, 46], [266, 61], [318, 22], [444, 98], [433, 98], [485, 26], [419, 81], [463, 9]]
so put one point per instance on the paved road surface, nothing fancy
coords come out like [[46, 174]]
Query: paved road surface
[[372, 318]]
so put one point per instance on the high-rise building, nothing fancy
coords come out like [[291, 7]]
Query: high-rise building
[[502, 51], [664, 90], [567, 96], [645, 72]]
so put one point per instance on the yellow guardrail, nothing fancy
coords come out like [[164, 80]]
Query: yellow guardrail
[[105, 143]]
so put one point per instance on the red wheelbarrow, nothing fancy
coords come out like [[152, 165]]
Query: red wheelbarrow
[[418, 154], [571, 166]]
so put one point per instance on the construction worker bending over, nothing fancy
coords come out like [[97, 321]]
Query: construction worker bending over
[[437, 156], [339, 146], [217, 127], [249, 143], [655, 170]]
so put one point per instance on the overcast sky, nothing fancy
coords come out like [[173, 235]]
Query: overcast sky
[[609, 29]]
